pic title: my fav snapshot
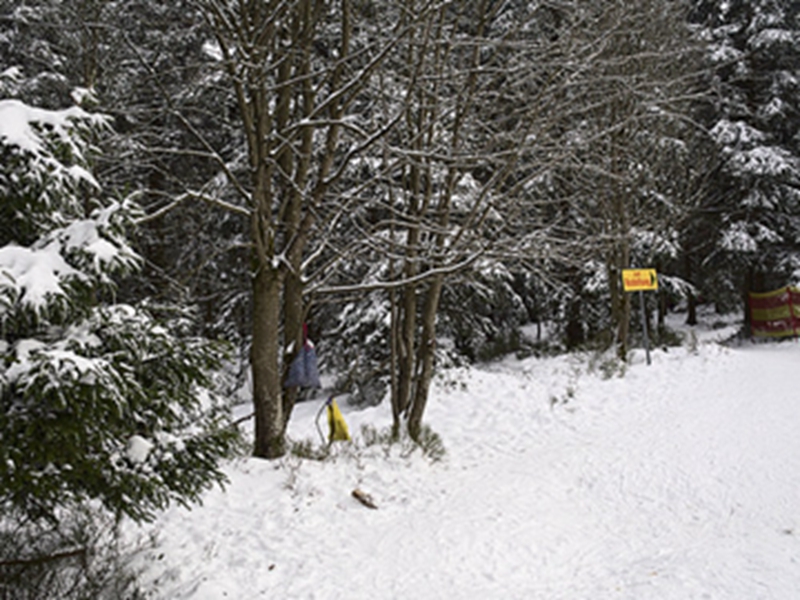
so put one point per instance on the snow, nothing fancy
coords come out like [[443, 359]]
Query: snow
[[84, 234], [737, 239], [64, 363], [80, 95], [763, 40], [34, 275], [729, 133], [17, 129], [723, 53], [565, 478], [138, 449], [764, 161], [213, 51]]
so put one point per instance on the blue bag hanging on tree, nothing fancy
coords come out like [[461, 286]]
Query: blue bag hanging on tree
[[303, 372]]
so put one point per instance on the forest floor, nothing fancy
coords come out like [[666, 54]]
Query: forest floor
[[563, 478]]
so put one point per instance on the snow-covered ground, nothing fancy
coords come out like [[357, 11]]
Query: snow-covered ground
[[562, 480]]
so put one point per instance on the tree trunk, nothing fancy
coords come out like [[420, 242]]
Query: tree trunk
[[575, 332], [394, 357], [294, 317], [265, 361], [407, 328], [617, 306], [691, 300], [406, 361], [624, 327], [623, 255], [754, 281], [426, 355]]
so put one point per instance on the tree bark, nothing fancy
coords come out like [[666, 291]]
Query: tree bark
[[294, 311], [691, 300], [426, 355], [265, 361]]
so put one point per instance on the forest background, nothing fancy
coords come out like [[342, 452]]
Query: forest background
[[414, 181]]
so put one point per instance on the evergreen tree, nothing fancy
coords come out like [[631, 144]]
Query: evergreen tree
[[147, 65], [746, 235], [99, 400]]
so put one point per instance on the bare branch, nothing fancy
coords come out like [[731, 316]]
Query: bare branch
[[400, 283]]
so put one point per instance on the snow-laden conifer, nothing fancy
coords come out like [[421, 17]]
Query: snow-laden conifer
[[99, 400]]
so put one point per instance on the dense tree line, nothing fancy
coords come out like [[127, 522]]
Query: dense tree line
[[743, 233], [414, 180]]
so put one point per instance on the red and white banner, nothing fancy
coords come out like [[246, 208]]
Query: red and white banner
[[776, 313]]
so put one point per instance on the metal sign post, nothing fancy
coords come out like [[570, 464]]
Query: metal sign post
[[644, 329], [641, 280]]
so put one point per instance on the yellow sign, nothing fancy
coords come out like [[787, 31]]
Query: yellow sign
[[639, 280]]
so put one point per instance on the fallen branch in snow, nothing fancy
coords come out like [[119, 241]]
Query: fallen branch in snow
[[364, 498]]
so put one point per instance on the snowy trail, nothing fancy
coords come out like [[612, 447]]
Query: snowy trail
[[688, 475], [678, 481]]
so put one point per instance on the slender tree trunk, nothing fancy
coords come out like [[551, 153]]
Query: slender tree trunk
[[754, 281], [691, 300], [620, 299], [393, 363], [624, 327], [265, 361], [408, 312], [294, 316], [623, 255], [426, 355], [407, 348], [616, 293], [574, 331]]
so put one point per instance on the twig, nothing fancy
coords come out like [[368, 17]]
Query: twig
[[41, 560]]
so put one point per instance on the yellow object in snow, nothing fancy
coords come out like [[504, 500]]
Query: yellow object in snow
[[337, 424]]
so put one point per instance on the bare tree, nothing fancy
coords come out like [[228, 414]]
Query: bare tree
[[299, 69], [434, 155], [324, 90], [447, 172], [631, 75]]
